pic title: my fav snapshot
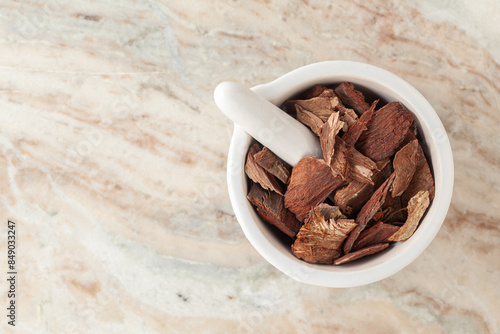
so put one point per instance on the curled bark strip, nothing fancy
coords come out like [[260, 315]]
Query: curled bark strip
[[367, 212], [360, 253]]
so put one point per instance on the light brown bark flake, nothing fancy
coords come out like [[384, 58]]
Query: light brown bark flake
[[320, 238], [416, 209]]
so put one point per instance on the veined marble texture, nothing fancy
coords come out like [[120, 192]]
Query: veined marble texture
[[113, 164]]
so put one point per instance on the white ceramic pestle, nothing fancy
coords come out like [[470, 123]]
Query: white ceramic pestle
[[269, 125]]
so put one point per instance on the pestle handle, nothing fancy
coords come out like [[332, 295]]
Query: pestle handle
[[272, 127]]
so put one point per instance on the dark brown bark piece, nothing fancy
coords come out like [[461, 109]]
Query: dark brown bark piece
[[352, 197], [316, 91], [320, 238], [360, 253], [258, 174], [328, 133], [312, 180], [308, 118], [393, 210], [352, 98], [378, 233], [273, 165], [405, 163], [367, 212], [385, 131], [355, 130], [416, 209], [270, 207], [422, 179]]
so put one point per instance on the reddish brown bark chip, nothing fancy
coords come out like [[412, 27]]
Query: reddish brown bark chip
[[385, 131], [405, 164], [422, 179], [367, 212], [352, 98], [320, 238], [308, 118], [258, 174], [378, 233], [355, 130], [352, 197], [273, 165], [270, 207], [360, 253], [416, 209], [312, 180], [328, 133]]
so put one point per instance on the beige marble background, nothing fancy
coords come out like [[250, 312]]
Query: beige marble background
[[113, 158]]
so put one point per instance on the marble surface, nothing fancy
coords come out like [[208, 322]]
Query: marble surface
[[113, 159]]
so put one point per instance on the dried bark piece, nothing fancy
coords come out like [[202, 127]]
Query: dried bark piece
[[422, 178], [416, 209], [405, 164], [258, 174], [340, 161], [320, 238], [328, 133], [316, 91], [393, 210], [273, 165], [352, 197], [322, 106], [355, 130], [385, 131], [352, 98], [270, 207], [360, 253], [308, 118], [329, 211], [312, 180], [367, 211], [361, 168], [378, 233], [348, 116]]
